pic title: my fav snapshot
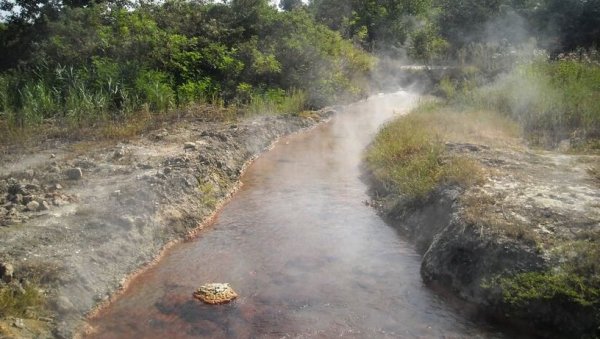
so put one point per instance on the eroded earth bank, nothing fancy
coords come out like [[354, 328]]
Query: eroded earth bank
[[78, 218], [520, 240]]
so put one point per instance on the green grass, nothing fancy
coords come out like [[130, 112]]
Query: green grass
[[14, 302], [406, 156], [552, 101], [529, 287], [573, 285], [409, 155], [209, 194], [277, 102]]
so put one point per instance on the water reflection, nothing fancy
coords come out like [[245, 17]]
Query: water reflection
[[306, 256]]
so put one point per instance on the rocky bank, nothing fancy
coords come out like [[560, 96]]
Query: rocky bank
[[522, 247], [80, 218]]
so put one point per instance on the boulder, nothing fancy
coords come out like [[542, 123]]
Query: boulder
[[189, 146], [44, 206], [6, 272], [74, 173], [33, 205]]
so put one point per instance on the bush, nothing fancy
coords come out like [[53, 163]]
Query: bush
[[551, 100], [408, 155], [277, 102], [16, 302], [104, 63]]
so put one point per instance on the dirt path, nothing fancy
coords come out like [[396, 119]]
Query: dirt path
[[82, 217]]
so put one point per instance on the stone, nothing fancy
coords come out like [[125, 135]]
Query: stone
[[59, 201], [161, 134], [17, 198], [44, 206], [63, 304], [215, 293], [74, 173], [119, 153], [6, 272], [33, 205], [189, 146], [18, 323]]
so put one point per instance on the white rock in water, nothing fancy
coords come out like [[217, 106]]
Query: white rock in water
[[215, 293]]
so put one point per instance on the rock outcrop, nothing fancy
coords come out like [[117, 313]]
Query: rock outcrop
[[521, 246]]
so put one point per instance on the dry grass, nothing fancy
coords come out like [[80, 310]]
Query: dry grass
[[109, 131], [594, 172], [463, 171], [480, 210], [42, 271], [409, 153], [478, 127], [20, 302]]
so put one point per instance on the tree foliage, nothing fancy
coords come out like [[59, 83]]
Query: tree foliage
[[111, 58], [107, 60], [375, 24]]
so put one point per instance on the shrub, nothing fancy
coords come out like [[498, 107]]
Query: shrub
[[277, 101], [552, 101], [408, 155], [16, 302]]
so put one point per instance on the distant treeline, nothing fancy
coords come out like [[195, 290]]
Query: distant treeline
[[80, 61]]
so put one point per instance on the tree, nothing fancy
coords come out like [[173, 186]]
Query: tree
[[567, 24], [375, 24], [290, 5]]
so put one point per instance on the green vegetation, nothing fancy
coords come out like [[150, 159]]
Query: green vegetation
[[594, 171], [573, 286], [273, 102], [409, 155], [558, 25], [531, 287], [552, 101], [209, 194], [87, 64], [17, 302], [83, 64]]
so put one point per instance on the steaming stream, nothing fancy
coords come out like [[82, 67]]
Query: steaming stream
[[307, 257]]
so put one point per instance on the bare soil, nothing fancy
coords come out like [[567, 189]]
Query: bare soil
[[529, 215], [80, 218]]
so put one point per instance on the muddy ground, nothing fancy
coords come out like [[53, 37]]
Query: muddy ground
[[536, 211], [80, 218]]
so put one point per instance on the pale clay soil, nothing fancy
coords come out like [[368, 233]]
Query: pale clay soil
[[83, 237]]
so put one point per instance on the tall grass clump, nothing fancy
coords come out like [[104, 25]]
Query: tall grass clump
[[553, 101], [277, 101], [18, 301], [409, 156]]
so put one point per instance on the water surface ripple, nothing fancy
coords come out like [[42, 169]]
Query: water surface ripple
[[305, 254]]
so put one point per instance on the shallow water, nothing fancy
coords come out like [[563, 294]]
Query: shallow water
[[306, 255]]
